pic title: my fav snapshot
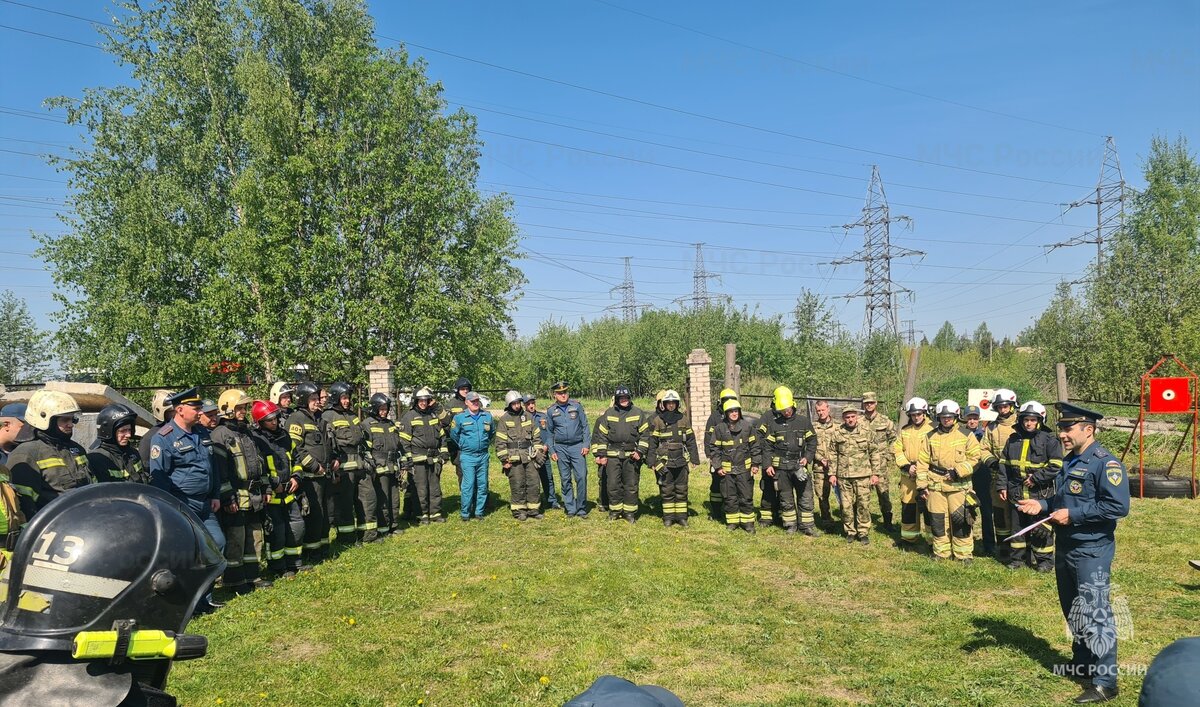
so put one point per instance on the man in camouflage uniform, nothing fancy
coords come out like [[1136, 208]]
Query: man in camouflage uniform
[[885, 437], [856, 462], [823, 427]]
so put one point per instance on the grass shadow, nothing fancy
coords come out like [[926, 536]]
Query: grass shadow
[[997, 633]]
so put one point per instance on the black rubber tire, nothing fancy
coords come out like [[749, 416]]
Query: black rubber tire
[[1159, 486]]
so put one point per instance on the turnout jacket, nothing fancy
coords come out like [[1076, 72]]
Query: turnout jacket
[[346, 437], [383, 444], [518, 438], [907, 446], [620, 433], [110, 462], [422, 437], [672, 442], [734, 447], [1037, 455], [46, 466], [310, 445], [947, 459], [995, 437], [785, 441]]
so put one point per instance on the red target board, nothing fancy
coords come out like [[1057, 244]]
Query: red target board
[[1169, 395]]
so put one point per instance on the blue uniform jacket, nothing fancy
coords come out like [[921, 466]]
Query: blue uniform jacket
[[181, 464], [566, 424], [1094, 488], [543, 423], [473, 433]]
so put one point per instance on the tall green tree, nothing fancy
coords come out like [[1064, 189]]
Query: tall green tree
[[24, 348], [946, 338], [983, 341], [273, 188]]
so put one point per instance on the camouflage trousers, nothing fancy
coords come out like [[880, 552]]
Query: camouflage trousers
[[856, 506]]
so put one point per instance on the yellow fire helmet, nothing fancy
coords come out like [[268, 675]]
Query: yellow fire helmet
[[727, 394], [230, 399], [783, 398]]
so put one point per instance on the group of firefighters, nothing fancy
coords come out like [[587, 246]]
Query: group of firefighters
[[278, 480]]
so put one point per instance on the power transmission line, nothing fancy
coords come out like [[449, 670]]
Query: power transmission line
[[629, 305], [876, 256], [1109, 200]]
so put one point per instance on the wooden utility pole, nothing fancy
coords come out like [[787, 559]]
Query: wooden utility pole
[[1060, 375], [731, 380], [910, 382]]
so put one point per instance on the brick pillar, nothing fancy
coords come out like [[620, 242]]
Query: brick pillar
[[699, 392], [380, 378]]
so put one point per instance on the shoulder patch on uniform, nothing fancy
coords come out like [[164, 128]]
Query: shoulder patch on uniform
[[155, 452], [165, 430], [1114, 475], [1112, 463]]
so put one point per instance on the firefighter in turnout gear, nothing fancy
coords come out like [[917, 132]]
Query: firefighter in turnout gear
[[944, 466], [1029, 464], [1004, 402], [383, 455], [310, 459], [520, 451], [789, 446], [249, 487], [732, 452], [51, 463], [423, 439], [354, 487], [672, 455], [823, 427], [602, 504], [621, 441], [114, 458], [715, 506], [856, 463], [906, 449], [545, 471], [885, 436], [285, 538]]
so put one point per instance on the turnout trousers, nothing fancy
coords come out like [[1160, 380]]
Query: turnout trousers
[[315, 492], [390, 501], [950, 524], [286, 539], [244, 544], [1082, 572], [795, 499], [427, 477], [914, 518], [768, 503], [624, 475], [673, 486], [737, 498], [572, 474], [525, 490], [1035, 547]]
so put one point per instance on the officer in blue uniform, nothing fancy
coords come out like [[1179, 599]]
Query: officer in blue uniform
[[1091, 494], [570, 439], [181, 463]]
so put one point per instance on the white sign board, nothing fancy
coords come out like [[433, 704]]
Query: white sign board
[[983, 398]]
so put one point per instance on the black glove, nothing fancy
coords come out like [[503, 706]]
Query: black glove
[[953, 474]]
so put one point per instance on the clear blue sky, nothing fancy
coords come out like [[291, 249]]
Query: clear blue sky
[[828, 88]]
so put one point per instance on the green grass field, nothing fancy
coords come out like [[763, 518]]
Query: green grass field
[[501, 613]]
